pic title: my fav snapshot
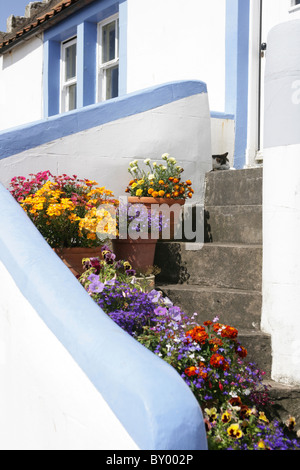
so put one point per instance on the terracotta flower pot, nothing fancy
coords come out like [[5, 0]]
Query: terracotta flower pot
[[175, 217], [72, 257], [140, 253]]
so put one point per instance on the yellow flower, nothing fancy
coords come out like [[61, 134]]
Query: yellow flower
[[226, 417], [134, 185], [150, 190], [91, 236], [263, 417], [235, 431], [211, 413], [161, 193], [261, 445], [139, 192], [140, 182]]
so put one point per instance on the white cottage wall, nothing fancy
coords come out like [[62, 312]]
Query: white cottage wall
[[21, 84], [177, 40], [281, 196]]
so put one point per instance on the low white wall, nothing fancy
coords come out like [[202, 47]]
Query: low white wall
[[47, 402], [62, 358], [103, 153]]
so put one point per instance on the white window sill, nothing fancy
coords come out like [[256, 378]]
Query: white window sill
[[294, 8]]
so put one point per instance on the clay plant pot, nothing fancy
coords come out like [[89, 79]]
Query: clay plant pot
[[140, 253], [72, 257], [175, 217]]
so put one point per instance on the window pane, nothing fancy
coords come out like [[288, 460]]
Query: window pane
[[72, 97], [112, 82], [109, 42], [70, 62]]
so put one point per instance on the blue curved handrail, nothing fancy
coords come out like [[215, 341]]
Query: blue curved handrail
[[147, 395]]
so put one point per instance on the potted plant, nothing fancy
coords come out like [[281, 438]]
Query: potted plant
[[67, 211], [160, 183], [137, 235]]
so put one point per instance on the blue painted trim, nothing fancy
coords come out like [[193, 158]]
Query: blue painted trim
[[146, 394], [51, 77], [237, 54], [123, 25], [32, 135], [86, 63], [221, 115]]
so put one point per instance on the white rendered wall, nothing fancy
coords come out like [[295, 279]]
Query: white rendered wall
[[46, 401], [21, 84], [177, 40], [281, 201], [281, 260], [223, 137], [181, 128]]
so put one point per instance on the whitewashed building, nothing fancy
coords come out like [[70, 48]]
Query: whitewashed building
[[88, 85]]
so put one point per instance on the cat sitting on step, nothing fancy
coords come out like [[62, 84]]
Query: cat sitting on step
[[220, 162]]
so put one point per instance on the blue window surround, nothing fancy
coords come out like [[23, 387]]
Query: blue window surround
[[237, 55], [82, 24]]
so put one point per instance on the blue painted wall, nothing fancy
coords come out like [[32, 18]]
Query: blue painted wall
[[237, 56]]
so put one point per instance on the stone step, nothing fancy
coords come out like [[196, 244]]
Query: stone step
[[234, 224], [238, 308], [230, 188], [214, 265], [286, 401], [258, 345]]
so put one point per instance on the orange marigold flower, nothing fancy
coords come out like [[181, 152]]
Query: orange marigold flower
[[191, 371], [161, 182], [175, 180], [188, 182], [171, 178], [161, 193], [218, 361], [176, 194], [190, 195], [168, 195], [150, 190], [155, 194], [198, 334], [229, 332]]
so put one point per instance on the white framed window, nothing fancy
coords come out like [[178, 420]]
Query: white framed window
[[108, 58], [69, 75]]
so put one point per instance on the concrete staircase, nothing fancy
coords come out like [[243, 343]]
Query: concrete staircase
[[224, 278]]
